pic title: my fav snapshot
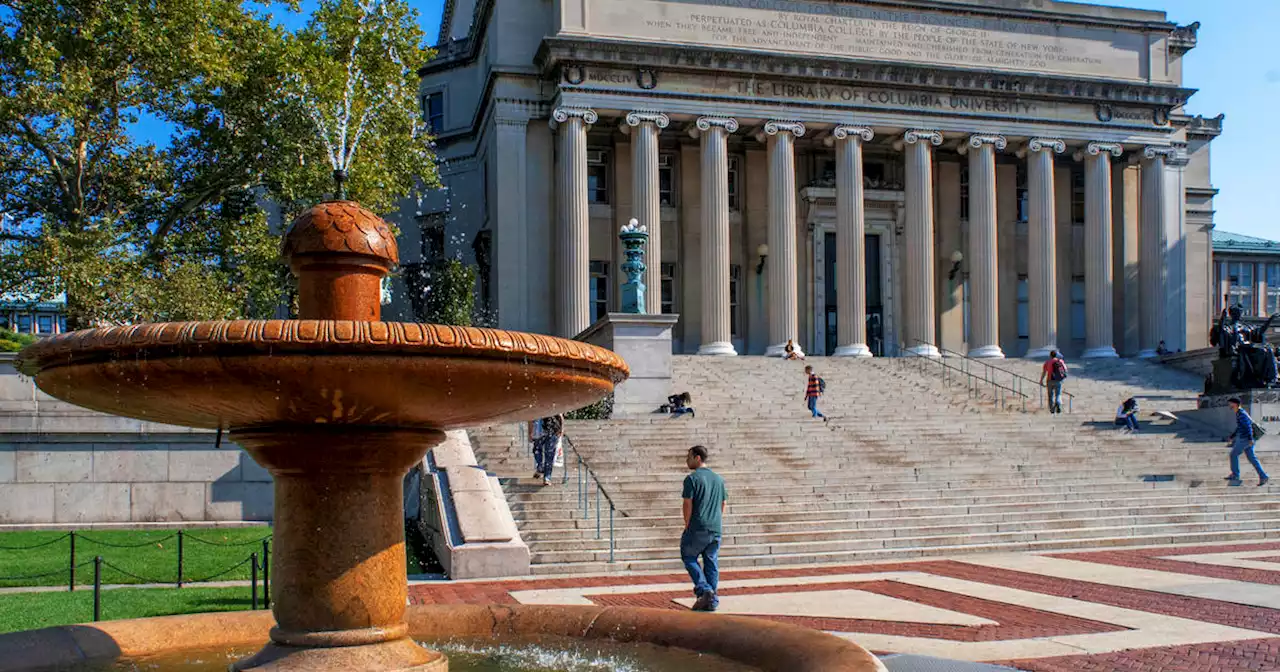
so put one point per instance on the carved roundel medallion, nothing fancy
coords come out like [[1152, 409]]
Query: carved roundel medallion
[[574, 74], [1160, 116], [1103, 112], [646, 79]]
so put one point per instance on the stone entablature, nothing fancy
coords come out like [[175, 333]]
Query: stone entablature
[[570, 61]]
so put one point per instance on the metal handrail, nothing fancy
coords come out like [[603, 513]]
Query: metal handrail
[[1017, 380], [973, 384], [585, 477]]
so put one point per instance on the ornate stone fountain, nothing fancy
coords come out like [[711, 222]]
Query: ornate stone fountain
[[338, 405]]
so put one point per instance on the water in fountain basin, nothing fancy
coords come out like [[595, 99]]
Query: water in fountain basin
[[548, 654]]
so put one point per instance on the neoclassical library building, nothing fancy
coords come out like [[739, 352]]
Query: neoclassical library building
[[993, 177]]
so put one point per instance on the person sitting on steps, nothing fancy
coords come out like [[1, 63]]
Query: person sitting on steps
[[680, 404], [1127, 415], [791, 351]]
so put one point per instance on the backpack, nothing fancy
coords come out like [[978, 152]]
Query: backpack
[[1059, 371], [822, 386], [1258, 431]]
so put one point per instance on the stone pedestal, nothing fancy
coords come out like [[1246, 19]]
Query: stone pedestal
[[465, 514], [644, 342], [1213, 412]]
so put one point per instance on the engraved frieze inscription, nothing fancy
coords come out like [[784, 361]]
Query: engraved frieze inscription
[[837, 29]]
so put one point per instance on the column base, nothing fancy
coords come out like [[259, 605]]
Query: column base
[[1041, 353], [398, 655], [926, 350], [1149, 353], [719, 349], [780, 350], [987, 352], [855, 350], [1104, 352]]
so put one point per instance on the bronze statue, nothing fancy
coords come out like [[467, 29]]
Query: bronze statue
[[1253, 361]]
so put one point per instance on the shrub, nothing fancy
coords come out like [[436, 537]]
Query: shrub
[[601, 410], [11, 341], [443, 292]]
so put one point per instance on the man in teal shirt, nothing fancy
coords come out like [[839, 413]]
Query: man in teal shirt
[[704, 497]]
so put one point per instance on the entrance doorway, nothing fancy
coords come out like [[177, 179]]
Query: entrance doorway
[[874, 295]]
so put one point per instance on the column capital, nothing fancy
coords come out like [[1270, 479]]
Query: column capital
[[915, 135], [1153, 151], [846, 132], [1097, 148], [776, 126], [1051, 145], [729, 124], [638, 117], [997, 141], [563, 114]]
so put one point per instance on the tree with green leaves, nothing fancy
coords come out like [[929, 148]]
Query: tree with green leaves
[[130, 231]]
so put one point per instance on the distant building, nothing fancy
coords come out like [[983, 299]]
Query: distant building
[[1246, 269], [26, 315]]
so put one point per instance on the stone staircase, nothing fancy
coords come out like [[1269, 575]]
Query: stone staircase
[[908, 466]]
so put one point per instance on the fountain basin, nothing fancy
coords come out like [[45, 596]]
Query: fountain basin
[[763, 645], [253, 373]]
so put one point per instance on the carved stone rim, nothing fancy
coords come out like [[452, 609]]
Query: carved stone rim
[[314, 337]]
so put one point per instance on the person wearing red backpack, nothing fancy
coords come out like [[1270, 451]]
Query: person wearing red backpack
[[1055, 371]]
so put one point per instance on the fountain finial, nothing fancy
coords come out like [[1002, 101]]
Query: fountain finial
[[340, 252]]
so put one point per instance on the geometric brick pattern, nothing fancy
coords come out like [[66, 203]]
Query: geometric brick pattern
[[1035, 621]]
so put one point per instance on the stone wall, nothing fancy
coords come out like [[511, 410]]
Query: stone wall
[[61, 465]]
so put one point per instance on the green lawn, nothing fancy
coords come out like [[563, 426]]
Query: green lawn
[[28, 611], [149, 556]]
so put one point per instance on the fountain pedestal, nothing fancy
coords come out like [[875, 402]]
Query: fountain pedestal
[[339, 559]]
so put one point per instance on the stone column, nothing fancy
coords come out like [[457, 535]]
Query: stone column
[[717, 338], [784, 317], [1098, 272], [1042, 273], [573, 262], [510, 225], [918, 301], [851, 260], [1151, 246], [645, 196], [983, 256]]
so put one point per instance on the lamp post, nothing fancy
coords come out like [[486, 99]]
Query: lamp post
[[763, 252], [634, 238]]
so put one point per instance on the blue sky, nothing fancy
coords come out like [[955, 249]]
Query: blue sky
[[1236, 68]]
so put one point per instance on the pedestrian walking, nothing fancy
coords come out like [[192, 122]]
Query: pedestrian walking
[[1242, 441], [544, 447], [1052, 374], [815, 388], [704, 497]]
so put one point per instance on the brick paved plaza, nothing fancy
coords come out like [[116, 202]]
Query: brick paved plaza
[[1157, 609]]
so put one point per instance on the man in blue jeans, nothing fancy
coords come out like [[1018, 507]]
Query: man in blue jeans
[[1242, 442], [704, 497]]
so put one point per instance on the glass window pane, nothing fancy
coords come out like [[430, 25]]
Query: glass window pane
[[1024, 313], [45, 324], [735, 274], [24, 323], [668, 288], [1077, 309]]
